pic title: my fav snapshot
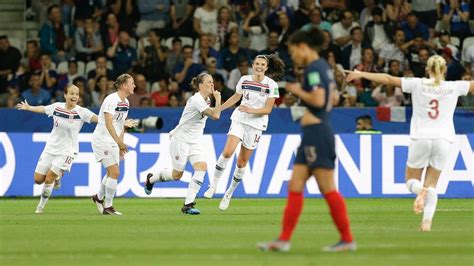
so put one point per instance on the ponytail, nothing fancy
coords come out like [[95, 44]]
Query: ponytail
[[436, 67], [276, 66], [197, 80]]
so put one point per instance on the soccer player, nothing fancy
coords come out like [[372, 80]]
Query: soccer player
[[107, 141], [62, 145], [258, 93], [316, 153], [431, 129], [186, 141]]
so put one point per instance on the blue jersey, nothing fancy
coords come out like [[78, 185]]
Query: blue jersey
[[318, 76]]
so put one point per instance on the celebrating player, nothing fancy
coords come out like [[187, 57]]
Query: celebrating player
[[107, 140], [431, 129], [316, 153], [62, 145], [186, 141], [259, 92]]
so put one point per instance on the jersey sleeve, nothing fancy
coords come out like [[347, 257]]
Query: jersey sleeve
[[408, 84], [461, 87], [49, 109], [86, 115], [274, 92], [238, 88], [200, 104], [109, 106]]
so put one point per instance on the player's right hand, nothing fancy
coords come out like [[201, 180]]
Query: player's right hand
[[217, 95], [123, 147], [22, 106]]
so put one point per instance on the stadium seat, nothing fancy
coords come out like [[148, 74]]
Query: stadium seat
[[142, 44], [110, 65], [155, 87], [81, 66], [133, 42], [90, 66], [466, 43], [62, 67], [185, 40], [17, 43]]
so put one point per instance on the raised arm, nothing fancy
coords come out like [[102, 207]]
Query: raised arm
[[214, 113], [231, 101], [40, 109], [377, 77]]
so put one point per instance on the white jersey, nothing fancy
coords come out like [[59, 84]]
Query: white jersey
[[192, 122], [433, 107], [255, 95], [66, 127], [119, 110]]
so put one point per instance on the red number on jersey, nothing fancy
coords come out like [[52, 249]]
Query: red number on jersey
[[247, 95], [434, 104]]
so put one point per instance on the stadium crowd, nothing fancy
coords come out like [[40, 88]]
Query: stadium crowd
[[163, 44]]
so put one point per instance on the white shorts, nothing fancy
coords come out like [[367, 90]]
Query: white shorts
[[424, 152], [181, 151], [57, 163], [248, 135], [108, 154]]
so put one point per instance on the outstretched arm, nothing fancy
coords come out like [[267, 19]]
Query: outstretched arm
[[377, 77], [231, 101], [36, 109]]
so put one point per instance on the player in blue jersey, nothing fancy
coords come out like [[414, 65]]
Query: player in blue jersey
[[316, 153]]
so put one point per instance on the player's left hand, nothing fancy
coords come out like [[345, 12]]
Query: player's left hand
[[130, 123], [352, 75], [245, 109], [22, 106]]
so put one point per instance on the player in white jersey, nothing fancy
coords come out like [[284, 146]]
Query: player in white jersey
[[107, 141], [431, 129], [258, 93], [186, 141], [62, 145]]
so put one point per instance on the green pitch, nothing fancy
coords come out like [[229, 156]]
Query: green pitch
[[154, 232]]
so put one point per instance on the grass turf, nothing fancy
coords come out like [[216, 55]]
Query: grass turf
[[153, 231]]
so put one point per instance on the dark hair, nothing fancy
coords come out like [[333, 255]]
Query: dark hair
[[227, 38], [157, 32], [365, 118], [79, 79], [314, 38], [186, 47], [344, 11], [175, 40], [354, 29], [377, 11], [197, 80], [393, 61], [50, 8], [411, 14], [120, 81], [218, 78], [69, 86], [3, 37], [398, 29], [35, 42], [276, 67]]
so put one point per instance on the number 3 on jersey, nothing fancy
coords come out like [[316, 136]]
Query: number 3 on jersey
[[434, 104]]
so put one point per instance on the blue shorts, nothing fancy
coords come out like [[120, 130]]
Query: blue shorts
[[317, 148]]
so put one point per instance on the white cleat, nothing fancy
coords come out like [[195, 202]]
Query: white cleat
[[210, 192], [39, 210], [276, 245], [341, 246], [225, 202]]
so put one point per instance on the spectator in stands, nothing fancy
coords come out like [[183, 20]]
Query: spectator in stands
[[302, 14], [53, 37], [456, 14], [444, 40], [273, 10], [469, 58], [243, 68], [9, 61], [181, 17], [88, 8], [211, 69], [185, 71], [274, 47], [364, 125], [347, 92], [161, 97], [332, 8], [140, 91], [174, 100], [394, 68], [418, 68], [49, 75], [124, 57], [126, 13], [84, 93], [426, 13], [397, 10], [110, 30], [220, 86], [88, 41], [289, 100], [286, 28], [341, 30], [366, 13], [205, 50], [32, 60], [394, 51], [316, 20], [174, 56], [153, 14], [257, 31], [328, 46], [352, 53], [225, 24], [100, 91], [36, 95], [388, 96], [412, 27], [100, 70], [455, 69], [416, 45], [145, 103], [231, 53], [154, 56], [367, 65], [67, 78], [205, 19], [377, 32], [468, 100]]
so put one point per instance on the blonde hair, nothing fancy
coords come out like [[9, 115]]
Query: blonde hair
[[436, 66], [122, 79]]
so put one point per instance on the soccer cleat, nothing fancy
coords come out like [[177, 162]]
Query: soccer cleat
[[111, 211], [148, 185], [275, 245], [225, 202], [210, 192], [189, 209], [425, 226], [57, 183], [39, 210], [341, 246], [98, 203], [419, 203]]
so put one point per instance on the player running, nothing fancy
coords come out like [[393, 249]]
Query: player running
[[431, 129], [62, 145], [316, 153], [187, 143], [258, 93], [107, 140]]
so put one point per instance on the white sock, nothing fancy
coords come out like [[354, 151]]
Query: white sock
[[101, 192], [220, 167], [430, 204], [194, 186], [110, 187], [162, 176], [238, 175], [47, 190], [414, 186]]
